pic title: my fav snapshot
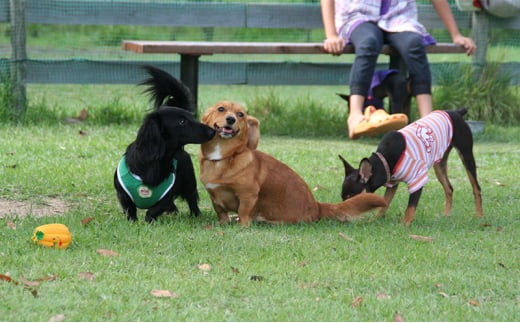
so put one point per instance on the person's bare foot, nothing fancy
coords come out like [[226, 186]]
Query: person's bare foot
[[352, 121]]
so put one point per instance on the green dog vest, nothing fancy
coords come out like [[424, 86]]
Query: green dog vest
[[143, 196]]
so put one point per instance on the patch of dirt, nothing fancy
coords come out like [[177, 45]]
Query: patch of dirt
[[51, 206]]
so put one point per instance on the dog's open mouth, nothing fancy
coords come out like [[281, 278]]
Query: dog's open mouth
[[226, 131]]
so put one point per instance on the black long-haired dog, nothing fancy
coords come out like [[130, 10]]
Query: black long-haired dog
[[155, 168]]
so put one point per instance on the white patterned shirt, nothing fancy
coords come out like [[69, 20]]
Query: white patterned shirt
[[389, 15]]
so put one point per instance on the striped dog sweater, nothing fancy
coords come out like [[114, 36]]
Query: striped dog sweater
[[426, 142]]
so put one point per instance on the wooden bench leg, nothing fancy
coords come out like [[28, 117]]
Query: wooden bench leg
[[190, 75]]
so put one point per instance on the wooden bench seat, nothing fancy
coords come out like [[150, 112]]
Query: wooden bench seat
[[190, 52], [210, 48]]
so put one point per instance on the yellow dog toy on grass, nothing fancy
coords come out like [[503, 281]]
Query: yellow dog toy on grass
[[52, 235]]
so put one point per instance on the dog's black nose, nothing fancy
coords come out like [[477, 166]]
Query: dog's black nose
[[230, 120]]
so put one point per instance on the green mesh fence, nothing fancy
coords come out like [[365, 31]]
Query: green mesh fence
[[87, 32]]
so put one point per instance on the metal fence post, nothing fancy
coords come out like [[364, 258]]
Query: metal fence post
[[18, 56], [480, 34]]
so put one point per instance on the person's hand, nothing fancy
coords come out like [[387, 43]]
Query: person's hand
[[467, 43], [334, 45]]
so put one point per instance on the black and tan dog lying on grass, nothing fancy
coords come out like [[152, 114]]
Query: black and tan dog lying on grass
[[241, 179], [407, 154], [155, 168]]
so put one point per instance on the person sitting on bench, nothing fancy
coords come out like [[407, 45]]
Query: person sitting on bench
[[368, 25]]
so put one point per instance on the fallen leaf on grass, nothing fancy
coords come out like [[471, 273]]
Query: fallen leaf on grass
[[107, 253], [317, 188], [47, 278], [86, 221], [443, 294], [38, 281], [83, 114], [10, 224], [204, 267], [163, 293], [32, 285], [421, 238], [398, 318], [308, 285], [28, 282], [357, 301], [341, 234], [8, 279], [473, 302], [235, 270], [86, 275], [81, 117], [57, 318]]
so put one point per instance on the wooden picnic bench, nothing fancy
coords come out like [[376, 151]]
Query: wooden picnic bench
[[190, 51]]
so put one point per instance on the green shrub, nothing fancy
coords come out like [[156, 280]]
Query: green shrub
[[301, 116], [7, 111], [115, 112], [45, 113], [486, 93]]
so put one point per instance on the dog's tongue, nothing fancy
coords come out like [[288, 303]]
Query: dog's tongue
[[227, 130]]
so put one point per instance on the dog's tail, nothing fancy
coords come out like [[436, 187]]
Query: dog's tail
[[351, 208], [165, 89]]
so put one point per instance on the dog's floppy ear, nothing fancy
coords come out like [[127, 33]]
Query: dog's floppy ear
[[348, 169], [253, 136], [149, 141], [205, 117], [365, 170]]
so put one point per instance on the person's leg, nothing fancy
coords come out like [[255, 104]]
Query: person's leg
[[424, 104], [412, 51], [367, 39]]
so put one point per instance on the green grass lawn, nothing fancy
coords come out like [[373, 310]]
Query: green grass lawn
[[468, 269], [326, 271]]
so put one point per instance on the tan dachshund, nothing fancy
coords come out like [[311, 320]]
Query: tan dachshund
[[256, 186]]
